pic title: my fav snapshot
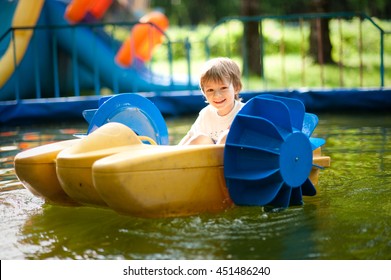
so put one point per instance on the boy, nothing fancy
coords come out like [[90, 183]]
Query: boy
[[220, 84]]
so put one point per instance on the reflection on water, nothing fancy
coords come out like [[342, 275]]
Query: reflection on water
[[348, 219], [100, 234]]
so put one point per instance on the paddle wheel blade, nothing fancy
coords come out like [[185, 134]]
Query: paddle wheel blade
[[308, 188], [268, 153], [317, 142], [309, 124]]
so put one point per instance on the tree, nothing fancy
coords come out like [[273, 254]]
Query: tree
[[252, 37], [320, 44]]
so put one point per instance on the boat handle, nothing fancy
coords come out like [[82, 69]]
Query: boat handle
[[148, 139]]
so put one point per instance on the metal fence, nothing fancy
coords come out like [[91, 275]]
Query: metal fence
[[75, 60], [56, 71], [358, 50]]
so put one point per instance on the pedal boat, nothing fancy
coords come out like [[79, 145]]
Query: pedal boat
[[112, 166]]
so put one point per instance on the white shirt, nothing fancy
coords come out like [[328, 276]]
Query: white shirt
[[211, 124]]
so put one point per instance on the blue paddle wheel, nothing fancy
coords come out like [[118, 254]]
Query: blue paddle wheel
[[268, 153]]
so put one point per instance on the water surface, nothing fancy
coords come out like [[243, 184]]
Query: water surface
[[348, 219]]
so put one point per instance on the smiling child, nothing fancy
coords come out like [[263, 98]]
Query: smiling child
[[220, 84]]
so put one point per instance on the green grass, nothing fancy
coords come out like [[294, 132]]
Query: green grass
[[294, 72], [357, 61]]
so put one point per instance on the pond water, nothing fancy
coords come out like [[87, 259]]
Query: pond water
[[349, 218]]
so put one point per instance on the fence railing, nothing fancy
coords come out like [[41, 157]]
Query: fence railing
[[59, 65], [358, 50], [76, 60]]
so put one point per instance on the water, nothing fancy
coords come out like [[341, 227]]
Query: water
[[348, 219]]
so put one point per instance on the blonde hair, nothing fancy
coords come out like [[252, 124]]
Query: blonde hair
[[221, 69]]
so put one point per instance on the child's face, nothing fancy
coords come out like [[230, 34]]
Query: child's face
[[221, 95]]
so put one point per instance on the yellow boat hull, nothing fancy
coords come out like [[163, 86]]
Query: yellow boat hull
[[111, 167], [36, 169], [74, 163], [163, 181]]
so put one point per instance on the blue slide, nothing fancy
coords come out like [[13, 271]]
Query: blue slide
[[95, 65]]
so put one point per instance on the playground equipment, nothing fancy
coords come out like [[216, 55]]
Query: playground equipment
[[61, 59], [77, 9], [143, 38], [26, 14]]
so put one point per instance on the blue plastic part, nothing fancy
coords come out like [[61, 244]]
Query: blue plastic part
[[89, 114], [308, 188], [296, 110], [296, 197], [283, 198], [104, 99], [268, 153], [274, 111], [256, 132], [309, 124], [295, 159], [317, 142], [134, 111], [247, 193]]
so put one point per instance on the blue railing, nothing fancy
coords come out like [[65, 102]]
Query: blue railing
[[57, 67], [56, 62], [299, 25]]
